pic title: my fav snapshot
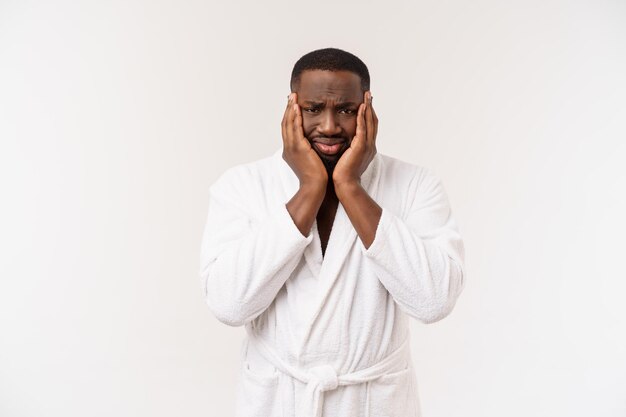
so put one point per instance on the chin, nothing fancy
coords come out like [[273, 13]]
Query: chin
[[330, 161]]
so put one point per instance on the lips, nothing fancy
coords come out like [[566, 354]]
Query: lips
[[328, 147]]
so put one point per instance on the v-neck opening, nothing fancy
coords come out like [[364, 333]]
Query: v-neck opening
[[323, 251], [323, 254]]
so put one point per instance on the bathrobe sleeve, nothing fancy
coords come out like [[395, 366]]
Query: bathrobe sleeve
[[249, 248], [419, 256]]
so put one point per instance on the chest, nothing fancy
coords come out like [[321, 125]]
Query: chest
[[325, 219]]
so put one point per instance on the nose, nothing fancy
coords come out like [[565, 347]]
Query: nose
[[328, 124]]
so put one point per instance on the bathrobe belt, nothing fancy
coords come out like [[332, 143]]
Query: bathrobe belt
[[319, 379]]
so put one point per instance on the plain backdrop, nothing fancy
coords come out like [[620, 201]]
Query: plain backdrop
[[116, 116]]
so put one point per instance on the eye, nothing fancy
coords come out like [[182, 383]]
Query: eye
[[311, 110], [347, 111]]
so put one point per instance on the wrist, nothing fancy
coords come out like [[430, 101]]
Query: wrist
[[315, 189], [347, 187]]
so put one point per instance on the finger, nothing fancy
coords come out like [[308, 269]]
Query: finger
[[295, 115], [360, 124], [298, 126], [286, 113], [375, 120], [287, 108], [369, 120], [287, 125]]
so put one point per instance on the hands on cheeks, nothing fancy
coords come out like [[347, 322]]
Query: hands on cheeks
[[307, 165], [297, 150], [362, 150]]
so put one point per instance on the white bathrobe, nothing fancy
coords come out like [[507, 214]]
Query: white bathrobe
[[329, 336]]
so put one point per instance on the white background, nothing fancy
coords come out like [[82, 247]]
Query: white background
[[116, 116]]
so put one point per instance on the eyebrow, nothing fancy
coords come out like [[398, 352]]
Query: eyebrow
[[320, 104], [347, 104]]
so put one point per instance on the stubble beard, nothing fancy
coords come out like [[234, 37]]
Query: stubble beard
[[329, 163]]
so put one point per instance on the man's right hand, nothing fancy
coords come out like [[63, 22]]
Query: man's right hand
[[307, 166], [297, 150]]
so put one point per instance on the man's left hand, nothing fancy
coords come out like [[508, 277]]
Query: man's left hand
[[362, 150]]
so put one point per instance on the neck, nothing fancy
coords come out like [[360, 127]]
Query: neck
[[330, 198]]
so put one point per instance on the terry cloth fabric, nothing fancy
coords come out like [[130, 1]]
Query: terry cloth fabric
[[322, 378], [338, 314]]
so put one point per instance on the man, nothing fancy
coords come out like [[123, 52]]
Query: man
[[324, 250]]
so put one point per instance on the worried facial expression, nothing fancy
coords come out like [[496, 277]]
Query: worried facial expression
[[330, 102]]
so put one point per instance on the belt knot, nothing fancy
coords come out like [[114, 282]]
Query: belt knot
[[324, 377]]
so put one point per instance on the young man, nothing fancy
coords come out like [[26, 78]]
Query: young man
[[323, 251]]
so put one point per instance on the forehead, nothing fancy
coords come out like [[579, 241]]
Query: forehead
[[320, 84]]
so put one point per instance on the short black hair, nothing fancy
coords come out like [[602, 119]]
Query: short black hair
[[330, 59]]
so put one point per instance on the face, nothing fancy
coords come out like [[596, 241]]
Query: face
[[330, 102]]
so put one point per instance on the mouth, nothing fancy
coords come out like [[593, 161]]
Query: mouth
[[328, 147]]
